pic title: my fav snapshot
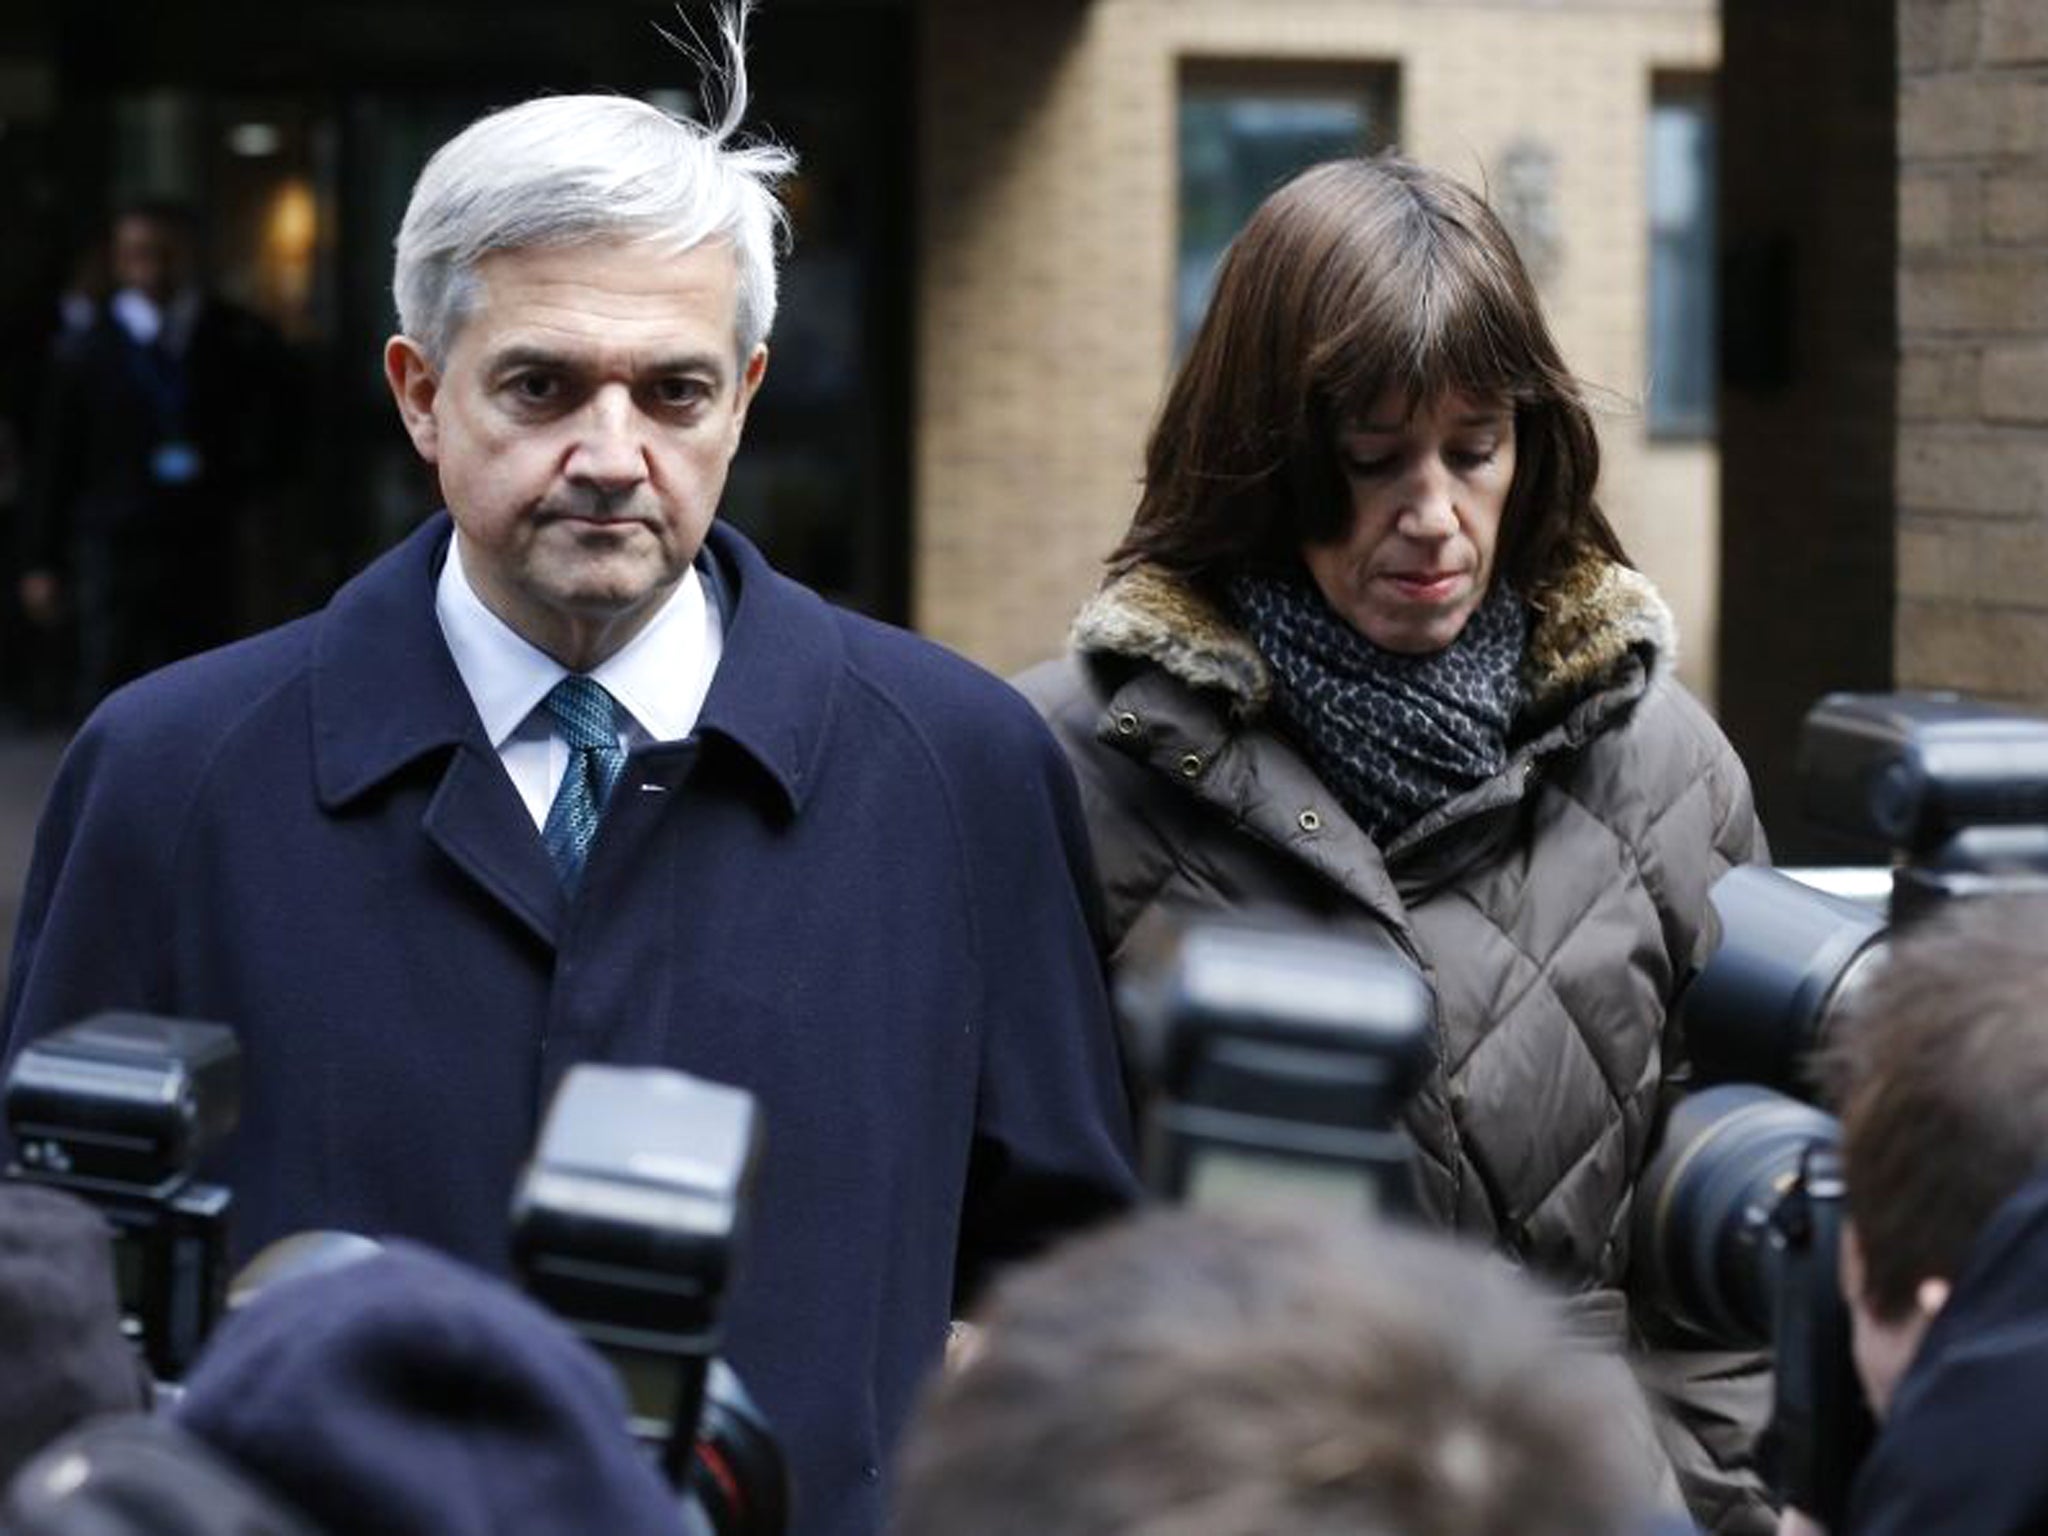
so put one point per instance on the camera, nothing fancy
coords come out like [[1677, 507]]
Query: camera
[[1739, 1211], [118, 1109], [1738, 1222], [625, 1225], [1277, 1063], [1954, 792]]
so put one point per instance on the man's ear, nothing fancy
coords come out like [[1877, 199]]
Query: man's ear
[[751, 375], [414, 384], [1931, 1295]]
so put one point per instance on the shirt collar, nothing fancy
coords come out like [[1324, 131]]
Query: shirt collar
[[137, 315], [386, 691], [660, 676]]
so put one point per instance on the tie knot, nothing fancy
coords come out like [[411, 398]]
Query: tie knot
[[583, 713]]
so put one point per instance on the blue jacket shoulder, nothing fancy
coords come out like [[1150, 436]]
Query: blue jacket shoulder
[[170, 724]]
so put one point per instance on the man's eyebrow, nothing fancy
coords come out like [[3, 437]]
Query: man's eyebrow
[[712, 363], [522, 355], [526, 357]]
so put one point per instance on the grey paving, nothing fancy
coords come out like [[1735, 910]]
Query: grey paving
[[27, 764]]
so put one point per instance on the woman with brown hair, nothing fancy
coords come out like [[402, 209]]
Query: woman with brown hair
[[1370, 654]]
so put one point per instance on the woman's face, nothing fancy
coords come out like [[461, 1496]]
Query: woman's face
[[1427, 494]]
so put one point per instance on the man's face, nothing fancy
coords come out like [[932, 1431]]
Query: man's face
[[149, 256], [1883, 1347], [582, 424]]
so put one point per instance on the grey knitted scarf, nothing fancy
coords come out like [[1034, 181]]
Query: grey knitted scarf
[[1393, 735]]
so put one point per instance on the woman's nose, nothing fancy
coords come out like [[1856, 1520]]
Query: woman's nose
[[1428, 505]]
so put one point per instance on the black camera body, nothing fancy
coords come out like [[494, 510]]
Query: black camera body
[[1953, 791], [1740, 1210], [1738, 1223], [118, 1109], [626, 1225], [1277, 1062]]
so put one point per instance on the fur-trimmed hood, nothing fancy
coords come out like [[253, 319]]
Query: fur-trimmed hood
[[1589, 618]]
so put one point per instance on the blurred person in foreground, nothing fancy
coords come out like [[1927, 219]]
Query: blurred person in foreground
[[402, 1394], [1210, 1373], [1939, 1069], [63, 1356], [164, 422], [572, 775], [1370, 656]]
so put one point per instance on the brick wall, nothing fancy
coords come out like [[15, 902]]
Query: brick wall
[[1973, 337], [1047, 207]]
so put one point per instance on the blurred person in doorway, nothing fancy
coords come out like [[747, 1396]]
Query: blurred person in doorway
[[163, 422]]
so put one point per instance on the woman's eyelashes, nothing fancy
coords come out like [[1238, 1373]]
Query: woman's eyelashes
[[1463, 458]]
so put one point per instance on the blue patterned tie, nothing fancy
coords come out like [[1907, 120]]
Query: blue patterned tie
[[583, 714]]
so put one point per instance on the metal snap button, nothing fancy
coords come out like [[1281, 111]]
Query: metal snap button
[[1309, 821], [1126, 723], [1191, 766]]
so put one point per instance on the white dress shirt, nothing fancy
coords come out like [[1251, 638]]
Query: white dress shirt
[[659, 678], [138, 315]]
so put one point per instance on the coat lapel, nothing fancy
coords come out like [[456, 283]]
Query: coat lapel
[[476, 819], [386, 695]]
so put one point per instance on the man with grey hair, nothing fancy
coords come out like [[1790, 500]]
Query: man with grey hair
[[572, 774]]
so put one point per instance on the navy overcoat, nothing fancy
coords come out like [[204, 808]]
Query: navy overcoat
[[854, 890]]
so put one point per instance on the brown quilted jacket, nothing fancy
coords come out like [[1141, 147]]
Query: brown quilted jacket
[[1557, 911]]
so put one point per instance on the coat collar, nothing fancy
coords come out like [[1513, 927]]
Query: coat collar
[[1591, 618], [385, 691], [778, 683]]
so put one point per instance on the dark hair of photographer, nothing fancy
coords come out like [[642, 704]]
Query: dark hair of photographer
[[1940, 1073], [63, 1357], [1237, 1375], [407, 1395]]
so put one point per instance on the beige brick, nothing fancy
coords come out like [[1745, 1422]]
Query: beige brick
[[1990, 652], [1936, 34], [1938, 384], [2015, 32], [2022, 107], [1926, 213], [1950, 115], [1973, 561], [1928, 558], [2016, 207], [2001, 292], [1979, 471], [2014, 383]]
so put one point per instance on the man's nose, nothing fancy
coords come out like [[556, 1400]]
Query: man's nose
[[609, 451]]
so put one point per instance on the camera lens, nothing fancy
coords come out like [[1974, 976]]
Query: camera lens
[[1703, 1206], [1788, 955]]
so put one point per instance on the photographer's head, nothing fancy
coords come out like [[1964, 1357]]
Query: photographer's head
[[1228, 1374], [1940, 1073], [407, 1395], [63, 1357]]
